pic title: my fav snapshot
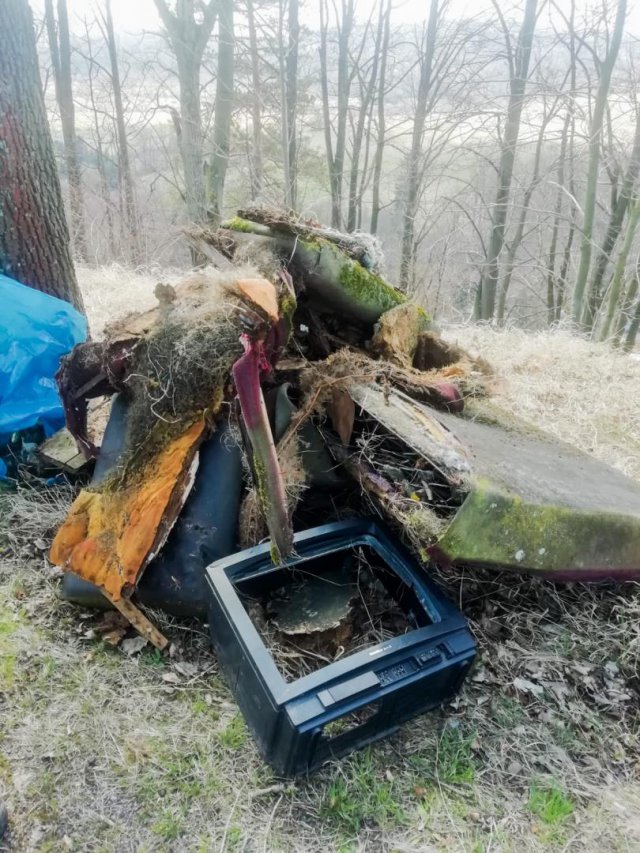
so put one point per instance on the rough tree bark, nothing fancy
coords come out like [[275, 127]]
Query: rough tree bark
[[224, 105], [518, 75], [34, 239], [60, 49]]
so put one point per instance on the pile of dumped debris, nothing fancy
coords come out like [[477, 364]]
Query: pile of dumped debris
[[290, 385]]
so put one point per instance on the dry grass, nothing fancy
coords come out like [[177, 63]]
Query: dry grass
[[581, 392], [104, 752], [112, 291]]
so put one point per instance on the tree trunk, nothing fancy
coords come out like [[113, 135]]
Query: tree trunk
[[580, 296], [188, 38], [124, 164], [336, 155], [634, 327], [380, 138], [256, 159], [100, 157], [60, 48], [34, 240], [367, 92], [413, 170], [518, 83], [191, 137], [618, 213], [627, 301], [522, 221], [224, 105], [291, 101], [553, 246], [618, 274]]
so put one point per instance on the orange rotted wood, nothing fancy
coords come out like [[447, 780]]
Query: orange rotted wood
[[109, 536]]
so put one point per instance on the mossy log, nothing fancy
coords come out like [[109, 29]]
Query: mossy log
[[334, 282]]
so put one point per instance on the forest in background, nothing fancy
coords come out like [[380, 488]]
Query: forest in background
[[495, 155]]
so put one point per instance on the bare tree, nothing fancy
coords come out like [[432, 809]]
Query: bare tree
[[368, 82], [124, 164], [381, 121], [256, 160], [93, 69], [413, 166], [188, 28], [60, 49], [581, 296], [34, 240], [518, 61], [288, 66], [336, 149], [223, 110], [617, 281], [621, 204]]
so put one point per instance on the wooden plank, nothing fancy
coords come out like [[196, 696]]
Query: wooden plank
[[139, 621]]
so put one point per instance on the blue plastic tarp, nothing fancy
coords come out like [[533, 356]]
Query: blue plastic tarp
[[36, 330]]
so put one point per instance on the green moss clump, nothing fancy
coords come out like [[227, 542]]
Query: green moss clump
[[237, 223], [287, 305], [367, 287], [494, 528]]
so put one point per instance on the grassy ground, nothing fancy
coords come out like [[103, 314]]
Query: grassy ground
[[104, 751]]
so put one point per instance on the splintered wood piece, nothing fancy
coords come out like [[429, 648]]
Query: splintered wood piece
[[418, 427], [139, 621], [261, 293]]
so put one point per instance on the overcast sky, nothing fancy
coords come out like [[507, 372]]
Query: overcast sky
[[135, 16]]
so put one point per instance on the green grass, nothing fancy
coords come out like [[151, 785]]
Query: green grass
[[168, 826], [234, 735], [550, 803], [364, 795], [455, 762]]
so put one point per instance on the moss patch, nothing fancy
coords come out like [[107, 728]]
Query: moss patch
[[494, 528]]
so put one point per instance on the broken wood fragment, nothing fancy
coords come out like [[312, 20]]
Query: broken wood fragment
[[139, 621]]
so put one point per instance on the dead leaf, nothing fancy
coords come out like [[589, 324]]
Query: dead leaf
[[171, 678], [186, 669], [526, 686], [133, 645], [342, 412]]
